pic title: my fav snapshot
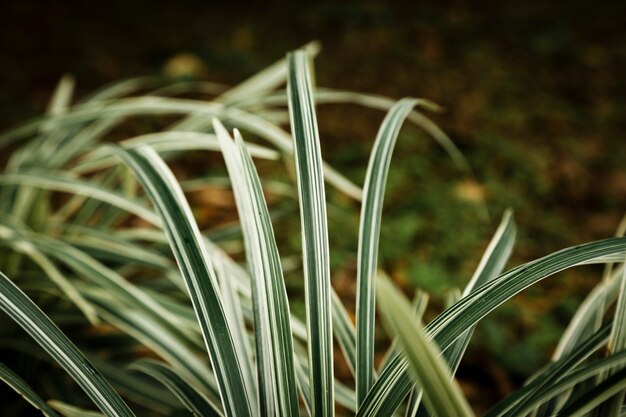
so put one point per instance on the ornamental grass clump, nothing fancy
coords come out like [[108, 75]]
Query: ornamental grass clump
[[163, 322]]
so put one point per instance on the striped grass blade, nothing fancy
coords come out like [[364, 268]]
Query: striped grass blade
[[25, 313], [490, 266], [277, 379], [394, 383], [314, 234], [193, 260], [21, 387], [369, 235], [191, 398], [442, 395]]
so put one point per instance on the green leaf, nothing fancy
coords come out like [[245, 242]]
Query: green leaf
[[170, 141], [155, 336], [549, 376], [25, 313], [264, 81], [369, 235], [21, 387], [442, 395], [71, 411], [344, 331], [569, 381], [129, 107], [191, 398], [584, 321], [50, 269], [193, 260], [97, 273], [617, 343], [394, 383], [134, 387], [314, 234], [491, 265], [54, 181], [332, 96], [274, 341], [580, 406]]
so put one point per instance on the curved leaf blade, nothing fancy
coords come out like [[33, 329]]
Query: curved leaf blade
[[314, 234], [369, 235], [277, 378], [21, 387], [193, 260], [394, 383], [443, 396], [193, 400], [25, 313]]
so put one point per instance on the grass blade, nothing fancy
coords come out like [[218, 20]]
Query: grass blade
[[264, 81], [25, 313], [277, 379], [549, 375], [369, 235], [569, 381], [617, 343], [193, 400], [50, 269], [151, 334], [130, 107], [332, 96], [53, 181], [394, 383], [582, 404], [135, 388], [21, 387], [442, 395], [491, 265], [583, 322], [169, 141], [314, 234], [193, 260], [68, 410], [344, 332]]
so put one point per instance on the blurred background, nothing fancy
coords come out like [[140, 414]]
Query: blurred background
[[534, 96]]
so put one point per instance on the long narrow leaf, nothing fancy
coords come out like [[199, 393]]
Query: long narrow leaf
[[491, 265], [314, 234], [583, 322], [443, 396], [394, 383], [596, 396], [369, 235], [50, 269], [193, 400], [167, 141], [194, 263], [25, 313], [278, 377], [549, 376], [163, 106], [586, 402], [68, 410], [58, 182], [153, 335], [21, 387], [617, 343], [264, 81]]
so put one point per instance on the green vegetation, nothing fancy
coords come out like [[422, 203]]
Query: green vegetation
[[107, 269]]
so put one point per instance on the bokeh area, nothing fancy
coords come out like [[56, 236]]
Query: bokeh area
[[534, 95]]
